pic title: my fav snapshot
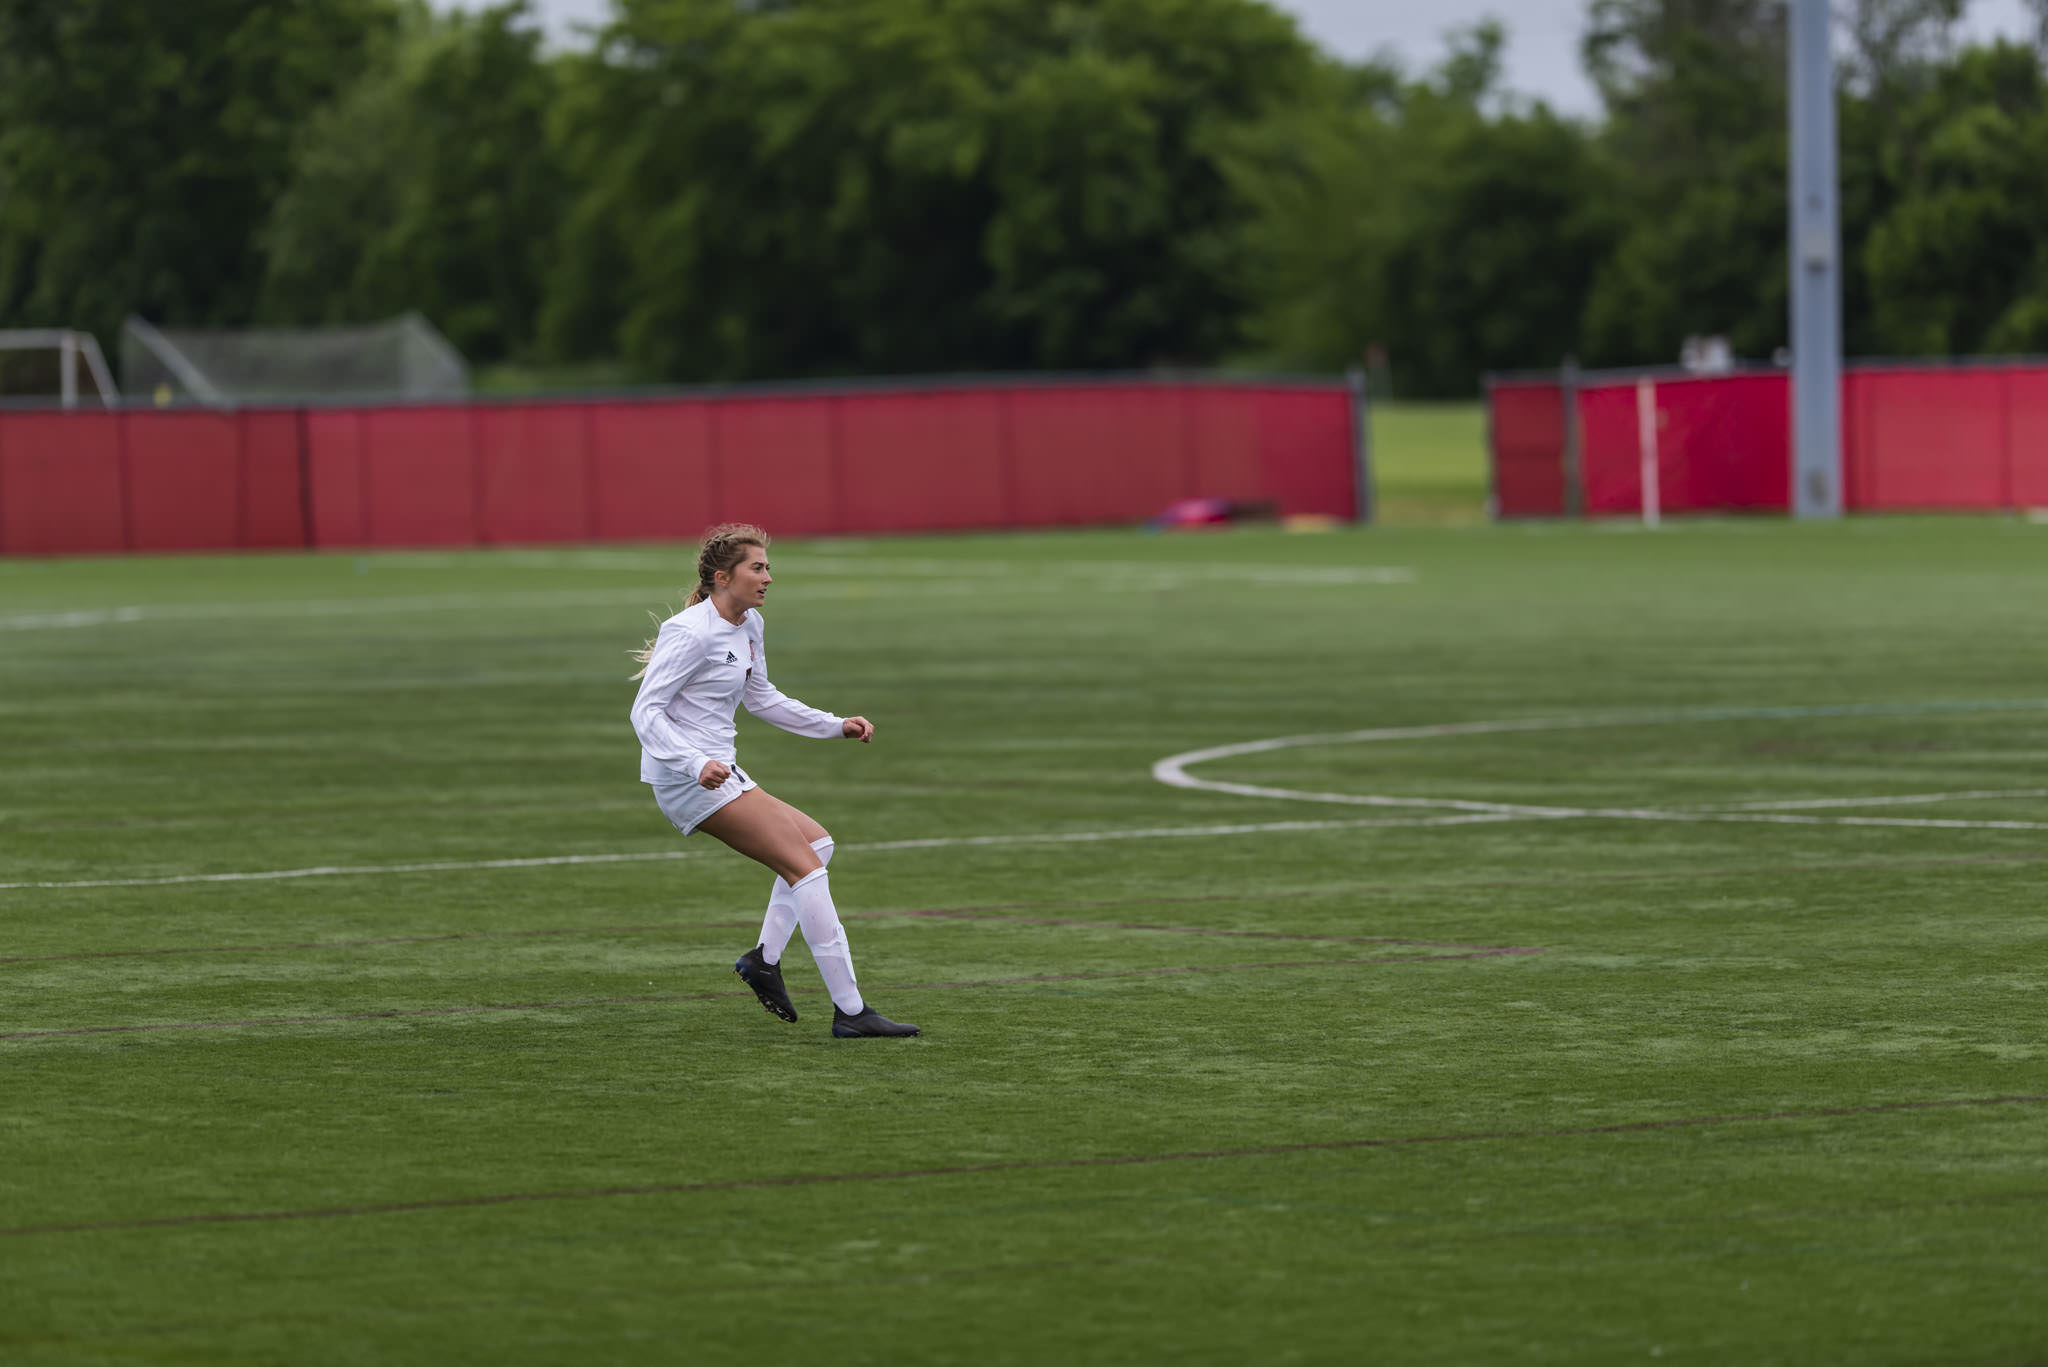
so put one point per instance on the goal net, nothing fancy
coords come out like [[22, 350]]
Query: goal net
[[41, 364], [403, 357]]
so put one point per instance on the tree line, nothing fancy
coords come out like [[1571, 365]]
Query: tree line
[[740, 189]]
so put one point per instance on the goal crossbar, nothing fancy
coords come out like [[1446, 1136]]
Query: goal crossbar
[[70, 345]]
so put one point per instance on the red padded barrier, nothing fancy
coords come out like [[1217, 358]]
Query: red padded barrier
[[922, 462], [1224, 427], [664, 469], [1609, 463], [1931, 440], [420, 486], [534, 465], [1305, 451], [1526, 425], [1724, 444], [1097, 455], [653, 476], [336, 475], [273, 494], [61, 484], [184, 481], [778, 463], [1855, 447], [2027, 437], [1912, 439]]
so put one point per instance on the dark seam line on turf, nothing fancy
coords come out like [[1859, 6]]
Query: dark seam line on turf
[[1490, 953], [978, 914], [1363, 889], [1869, 1210], [1020, 1165], [992, 912]]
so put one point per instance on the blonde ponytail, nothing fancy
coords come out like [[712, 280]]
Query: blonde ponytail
[[723, 547]]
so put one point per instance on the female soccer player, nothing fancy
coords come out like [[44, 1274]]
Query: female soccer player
[[706, 660]]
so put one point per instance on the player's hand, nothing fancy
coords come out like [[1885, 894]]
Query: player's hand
[[860, 729], [713, 774]]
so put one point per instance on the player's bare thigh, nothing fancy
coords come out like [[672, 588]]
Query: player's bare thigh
[[768, 831], [812, 831]]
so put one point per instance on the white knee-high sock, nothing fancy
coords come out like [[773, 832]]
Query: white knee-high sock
[[780, 922], [827, 939]]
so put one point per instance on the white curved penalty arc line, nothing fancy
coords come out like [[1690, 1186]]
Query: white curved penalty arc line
[[1173, 770]]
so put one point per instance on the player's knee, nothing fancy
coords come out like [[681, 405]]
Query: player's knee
[[802, 861]]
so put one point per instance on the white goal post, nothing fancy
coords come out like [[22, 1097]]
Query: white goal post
[[70, 346]]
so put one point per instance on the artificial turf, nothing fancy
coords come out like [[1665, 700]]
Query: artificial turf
[[1638, 1068]]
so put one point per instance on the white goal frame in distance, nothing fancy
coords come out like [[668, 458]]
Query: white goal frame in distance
[[70, 345]]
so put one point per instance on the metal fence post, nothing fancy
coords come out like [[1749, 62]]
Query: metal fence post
[[1574, 472], [1361, 442]]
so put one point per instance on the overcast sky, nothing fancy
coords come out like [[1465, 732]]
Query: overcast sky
[[1543, 35]]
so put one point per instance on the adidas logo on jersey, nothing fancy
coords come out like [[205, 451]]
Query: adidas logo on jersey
[[731, 658]]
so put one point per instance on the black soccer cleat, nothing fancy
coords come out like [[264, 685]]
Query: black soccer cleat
[[766, 980], [867, 1023]]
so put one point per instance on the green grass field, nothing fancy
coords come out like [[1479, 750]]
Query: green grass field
[[1429, 463], [357, 1006]]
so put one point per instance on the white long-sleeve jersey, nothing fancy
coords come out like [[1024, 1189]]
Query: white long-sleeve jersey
[[702, 668]]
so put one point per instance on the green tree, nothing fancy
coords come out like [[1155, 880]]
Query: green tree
[[1896, 45], [1327, 184], [428, 185], [1687, 84], [142, 143], [890, 185], [1507, 230], [1959, 263], [1695, 97], [1438, 217]]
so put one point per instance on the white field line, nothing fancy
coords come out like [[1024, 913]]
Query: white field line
[[1471, 812], [1791, 819], [1143, 579], [649, 856], [1896, 800], [1503, 809], [331, 607], [345, 870], [1173, 769]]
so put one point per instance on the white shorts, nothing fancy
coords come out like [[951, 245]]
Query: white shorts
[[687, 804]]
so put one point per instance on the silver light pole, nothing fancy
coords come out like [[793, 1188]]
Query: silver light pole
[[1816, 250]]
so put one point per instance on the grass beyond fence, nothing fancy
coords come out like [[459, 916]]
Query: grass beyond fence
[[1646, 963], [1429, 463]]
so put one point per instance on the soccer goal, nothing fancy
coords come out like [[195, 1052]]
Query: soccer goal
[[401, 358], [41, 363]]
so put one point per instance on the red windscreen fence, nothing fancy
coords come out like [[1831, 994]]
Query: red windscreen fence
[[1936, 440], [1914, 438], [1526, 428], [1721, 445], [662, 469]]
